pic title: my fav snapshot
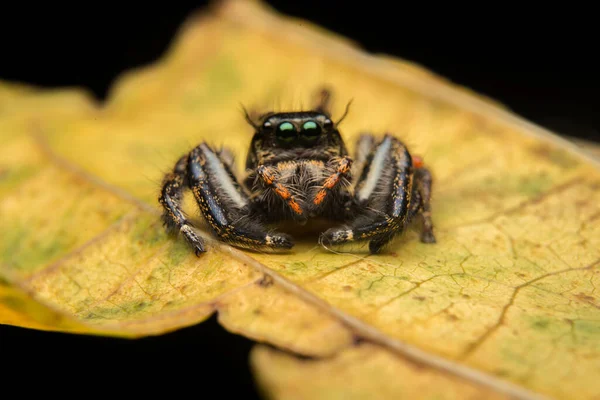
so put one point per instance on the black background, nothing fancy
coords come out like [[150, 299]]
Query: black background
[[541, 63]]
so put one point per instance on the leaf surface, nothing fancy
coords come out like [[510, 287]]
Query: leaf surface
[[504, 303], [360, 372]]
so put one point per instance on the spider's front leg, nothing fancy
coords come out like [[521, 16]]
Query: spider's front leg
[[223, 203], [422, 207], [170, 198], [391, 190]]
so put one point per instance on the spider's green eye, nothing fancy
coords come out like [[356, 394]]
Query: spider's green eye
[[311, 130], [286, 132]]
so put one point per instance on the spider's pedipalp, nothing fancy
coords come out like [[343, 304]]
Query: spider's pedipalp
[[269, 177], [342, 170]]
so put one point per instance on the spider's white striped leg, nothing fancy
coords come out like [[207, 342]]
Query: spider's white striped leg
[[170, 198], [385, 192], [223, 203], [423, 183]]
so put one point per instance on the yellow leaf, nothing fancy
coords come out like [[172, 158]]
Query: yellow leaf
[[361, 372], [504, 304], [590, 147]]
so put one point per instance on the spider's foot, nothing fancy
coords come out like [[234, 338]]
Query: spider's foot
[[193, 239], [376, 245], [279, 241], [428, 237], [335, 236], [198, 250]]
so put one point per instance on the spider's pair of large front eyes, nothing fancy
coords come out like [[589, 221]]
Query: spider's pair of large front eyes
[[286, 132]]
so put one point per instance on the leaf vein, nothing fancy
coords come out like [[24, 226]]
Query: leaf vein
[[501, 319]]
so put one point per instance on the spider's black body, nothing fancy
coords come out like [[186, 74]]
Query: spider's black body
[[297, 170]]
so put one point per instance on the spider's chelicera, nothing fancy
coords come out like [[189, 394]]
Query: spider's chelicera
[[298, 170]]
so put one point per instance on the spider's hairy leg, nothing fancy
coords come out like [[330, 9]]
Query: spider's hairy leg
[[170, 198], [224, 204], [423, 183], [419, 207], [364, 148], [227, 157], [386, 185], [269, 177]]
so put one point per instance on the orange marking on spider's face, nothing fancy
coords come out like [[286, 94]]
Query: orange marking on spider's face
[[295, 207], [417, 161], [319, 197]]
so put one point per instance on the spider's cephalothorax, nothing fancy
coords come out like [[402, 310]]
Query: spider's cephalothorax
[[298, 169]]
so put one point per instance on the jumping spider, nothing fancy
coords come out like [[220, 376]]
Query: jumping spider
[[298, 169]]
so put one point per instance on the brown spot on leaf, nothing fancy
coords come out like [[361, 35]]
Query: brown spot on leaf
[[452, 317], [265, 281], [580, 203], [555, 155], [357, 340], [584, 297], [594, 217], [595, 185], [12, 302], [347, 288], [419, 298], [502, 372]]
